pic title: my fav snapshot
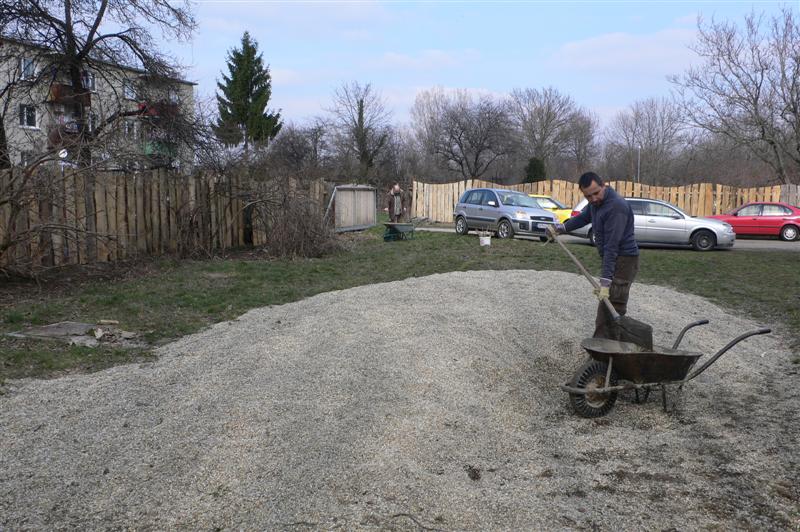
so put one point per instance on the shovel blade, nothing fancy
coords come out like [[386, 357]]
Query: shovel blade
[[637, 332]]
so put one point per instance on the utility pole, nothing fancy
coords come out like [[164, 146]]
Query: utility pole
[[638, 162]]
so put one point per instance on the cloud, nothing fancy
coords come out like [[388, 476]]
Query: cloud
[[426, 59], [660, 53], [687, 20]]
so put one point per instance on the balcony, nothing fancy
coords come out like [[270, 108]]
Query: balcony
[[67, 95], [64, 135], [159, 109]]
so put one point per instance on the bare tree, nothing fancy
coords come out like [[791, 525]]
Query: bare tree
[[361, 120], [468, 132], [542, 120], [300, 151], [74, 37], [646, 135], [747, 87], [69, 45], [580, 139]]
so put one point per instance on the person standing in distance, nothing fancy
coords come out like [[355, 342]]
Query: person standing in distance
[[395, 203], [612, 223]]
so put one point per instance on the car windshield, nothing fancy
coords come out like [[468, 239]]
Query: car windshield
[[517, 199], [549, 203], [666, 211]]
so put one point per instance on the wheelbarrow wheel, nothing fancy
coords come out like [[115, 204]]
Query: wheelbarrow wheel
[[590, 376]]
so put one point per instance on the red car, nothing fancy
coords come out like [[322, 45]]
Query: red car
[[765, 219]]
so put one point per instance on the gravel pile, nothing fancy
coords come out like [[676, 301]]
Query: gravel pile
[[440, 410]]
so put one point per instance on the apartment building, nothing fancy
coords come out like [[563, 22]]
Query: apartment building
[[133, 120]]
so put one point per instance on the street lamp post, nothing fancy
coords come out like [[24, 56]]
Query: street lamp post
[[638, 162]]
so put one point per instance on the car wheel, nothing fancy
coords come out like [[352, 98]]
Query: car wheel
[[461, 226], [592, 239], [703, 240], [504, 229], [789, 233]]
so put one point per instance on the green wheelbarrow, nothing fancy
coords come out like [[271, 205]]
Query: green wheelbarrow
[[398, 231]]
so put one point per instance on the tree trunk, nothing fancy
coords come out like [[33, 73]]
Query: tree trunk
[[5, 157]]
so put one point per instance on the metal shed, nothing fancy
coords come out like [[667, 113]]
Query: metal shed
[[354, 207]]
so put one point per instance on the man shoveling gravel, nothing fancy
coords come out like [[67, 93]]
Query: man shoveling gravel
[[612, 222], [445, 416]]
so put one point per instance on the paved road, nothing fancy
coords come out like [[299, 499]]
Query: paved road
[[742, 243]]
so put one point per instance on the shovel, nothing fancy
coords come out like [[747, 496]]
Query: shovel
[[621, 328]]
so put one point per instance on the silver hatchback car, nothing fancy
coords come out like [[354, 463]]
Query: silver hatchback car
[[506, 212], [659, 222]]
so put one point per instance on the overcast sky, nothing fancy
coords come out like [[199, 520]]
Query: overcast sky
[[606, 54]]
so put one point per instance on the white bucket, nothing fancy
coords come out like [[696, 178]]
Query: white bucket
[[485, 240]]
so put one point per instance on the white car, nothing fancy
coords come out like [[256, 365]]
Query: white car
[[659, 222]]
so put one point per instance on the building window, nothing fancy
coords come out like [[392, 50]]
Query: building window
[[25, 158], [27, 116], [27, 68], [88, 80], [173, 96], [92, 121], [128, 90], [130, 129]]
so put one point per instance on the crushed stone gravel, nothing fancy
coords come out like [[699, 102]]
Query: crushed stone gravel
[[426, 403]]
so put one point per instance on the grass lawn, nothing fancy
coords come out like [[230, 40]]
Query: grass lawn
[[165, 299]]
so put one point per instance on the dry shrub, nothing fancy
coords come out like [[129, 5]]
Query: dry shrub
[[295, 228]]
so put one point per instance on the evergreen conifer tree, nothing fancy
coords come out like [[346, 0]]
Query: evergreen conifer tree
[[243, 97]]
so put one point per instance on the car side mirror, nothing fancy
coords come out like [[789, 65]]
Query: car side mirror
[[677, 217], [491, 203]]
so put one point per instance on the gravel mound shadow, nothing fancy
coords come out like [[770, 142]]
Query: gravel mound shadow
[[427, 403]]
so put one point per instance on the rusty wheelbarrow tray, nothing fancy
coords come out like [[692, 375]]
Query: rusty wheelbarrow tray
[[616, 366]]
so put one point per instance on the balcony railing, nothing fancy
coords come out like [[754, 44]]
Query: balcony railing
[[158, 109], [64, 135], [66, 94]]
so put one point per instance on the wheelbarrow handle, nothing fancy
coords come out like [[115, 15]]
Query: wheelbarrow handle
[[683, 332], [614, 314], [722, 351]]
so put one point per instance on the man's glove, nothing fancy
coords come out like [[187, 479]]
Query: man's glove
[[602, 292], [553, 230]]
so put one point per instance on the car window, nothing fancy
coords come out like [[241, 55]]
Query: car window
[[657, 209], [488, 196], [750, 210], [637, 207], [474, 197], [517, 199], [509, 199], [547, 203], [775, 210]]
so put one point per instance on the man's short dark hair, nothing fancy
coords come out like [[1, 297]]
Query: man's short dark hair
[[586, 179]]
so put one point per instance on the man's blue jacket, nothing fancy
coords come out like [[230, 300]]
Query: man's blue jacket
[[612, 224]]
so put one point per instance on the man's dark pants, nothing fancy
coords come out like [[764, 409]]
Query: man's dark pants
[[624, 274]]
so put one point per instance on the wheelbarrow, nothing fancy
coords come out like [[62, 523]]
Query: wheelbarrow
[[398, 231], [615, 366]]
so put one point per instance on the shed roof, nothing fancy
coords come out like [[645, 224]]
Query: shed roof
[[355, 187]]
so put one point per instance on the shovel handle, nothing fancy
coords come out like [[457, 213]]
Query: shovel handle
[[595, 284]]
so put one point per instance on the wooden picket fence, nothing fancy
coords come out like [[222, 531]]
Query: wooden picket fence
[[134, 214], [435, 201]]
